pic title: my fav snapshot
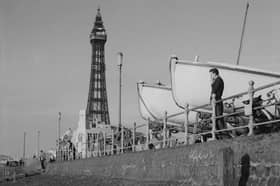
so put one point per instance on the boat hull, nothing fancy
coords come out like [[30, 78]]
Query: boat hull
[[155, 100], [190, 81]]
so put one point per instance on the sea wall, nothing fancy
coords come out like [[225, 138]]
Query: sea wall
[[251, 160]]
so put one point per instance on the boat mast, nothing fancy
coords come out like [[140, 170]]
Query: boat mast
[[242, 34]]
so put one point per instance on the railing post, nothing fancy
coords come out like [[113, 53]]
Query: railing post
[[98, 144], [122, 141], [196, 123], [112, 148], [277, 107], [59, 155], [67, 152], [14, 175], [186, 124], [86, 155], [164, 129], [104, 151], [213, 102], [86, 145], [133, 137], [147, 134], [90, 145], [167, 138], [251, 116]]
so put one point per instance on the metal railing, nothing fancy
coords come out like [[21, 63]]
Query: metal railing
[[9, 173], [192, 131], [245, 112]]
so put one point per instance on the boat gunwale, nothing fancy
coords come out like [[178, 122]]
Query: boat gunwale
[[230, 67], [165, 87]]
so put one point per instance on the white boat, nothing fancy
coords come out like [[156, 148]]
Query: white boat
[[190, 81], [154, 100]]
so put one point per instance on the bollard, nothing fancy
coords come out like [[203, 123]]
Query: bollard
[[213, 102], [186, 124], [251, 117]]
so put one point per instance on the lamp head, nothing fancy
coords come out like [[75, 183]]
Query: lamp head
[[120, 58]]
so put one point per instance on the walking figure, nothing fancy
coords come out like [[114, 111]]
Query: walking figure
[[42, 160]]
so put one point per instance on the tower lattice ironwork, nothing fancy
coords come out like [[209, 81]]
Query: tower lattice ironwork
[[97, 111]]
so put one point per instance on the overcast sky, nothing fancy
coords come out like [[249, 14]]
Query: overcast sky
[[45, 54]]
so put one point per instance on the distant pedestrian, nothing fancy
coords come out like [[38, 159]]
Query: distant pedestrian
[[42, 160], [21, 162], [151, 146], [114, 149], [74, 152]]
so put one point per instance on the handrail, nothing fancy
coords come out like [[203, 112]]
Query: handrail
[[227, 98], [267, 86], [191, 129], [174, 115], [255, 90], [199, 107]]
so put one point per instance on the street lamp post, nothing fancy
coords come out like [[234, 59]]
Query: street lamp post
[[58, 135], [120, 63], [38, 143], [24, 145], [59, 127]]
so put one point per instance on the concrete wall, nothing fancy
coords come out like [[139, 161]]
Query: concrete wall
[[253, 160]]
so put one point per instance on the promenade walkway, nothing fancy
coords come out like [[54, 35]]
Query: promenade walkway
[[46, 180]]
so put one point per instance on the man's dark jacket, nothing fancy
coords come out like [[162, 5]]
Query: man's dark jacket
[[217, 88]]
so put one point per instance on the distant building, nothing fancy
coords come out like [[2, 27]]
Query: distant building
[[79, 138], [4, 159]]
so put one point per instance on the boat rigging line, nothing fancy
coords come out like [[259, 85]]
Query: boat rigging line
[[242, 34]]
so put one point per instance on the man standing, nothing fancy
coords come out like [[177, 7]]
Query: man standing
[[217, 88], [42, 160]]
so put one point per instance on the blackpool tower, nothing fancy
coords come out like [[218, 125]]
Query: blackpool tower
[[97, 105]]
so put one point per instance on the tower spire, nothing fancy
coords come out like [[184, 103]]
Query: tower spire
[[97, 111], [98, 28], [98, 15]]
